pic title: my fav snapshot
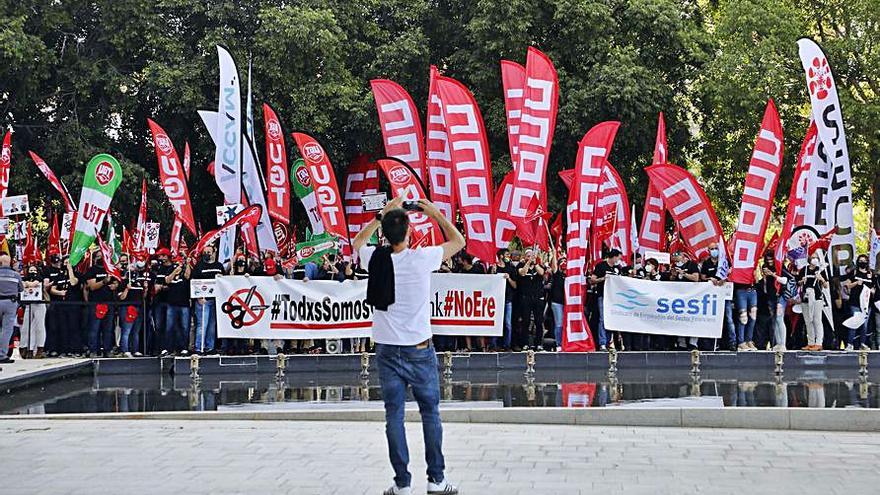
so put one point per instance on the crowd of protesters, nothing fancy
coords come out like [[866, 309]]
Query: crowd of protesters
[[149, 310]]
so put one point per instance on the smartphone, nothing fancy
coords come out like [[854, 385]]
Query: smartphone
[[412, 206]]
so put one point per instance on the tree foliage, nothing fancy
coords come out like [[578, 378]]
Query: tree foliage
[[78, 78]]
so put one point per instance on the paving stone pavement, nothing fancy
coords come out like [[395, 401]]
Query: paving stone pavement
[[303, 458]]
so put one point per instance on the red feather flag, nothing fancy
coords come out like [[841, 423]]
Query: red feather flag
[[362, 178], [757, 203], [795, 214], [472, 167], [505, 229], [277, 177], [107, 258], [593, 150], [54, 242], [5, 164], [248, 216], [172, 176], [822, 243], [652, 236], [53, 179], [404, 183], [400, 124], [32, 252], [438, 158]]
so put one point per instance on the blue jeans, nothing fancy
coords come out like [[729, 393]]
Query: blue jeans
[[160, 314], [508, 326], [603, 340], [102, 327], [400, 366], [857, 339], [206, 325], [130, 332], [177, 327], [728, 323], [746, 302], [557, 309]]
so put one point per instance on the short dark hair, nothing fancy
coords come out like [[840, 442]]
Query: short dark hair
[[395, 224], [501, 252], [612, 253]]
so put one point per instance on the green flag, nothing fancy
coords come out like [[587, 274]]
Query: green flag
[[302, 187], [112, 240], [316, 247], [102, 178]]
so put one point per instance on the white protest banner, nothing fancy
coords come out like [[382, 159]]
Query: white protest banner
[[152, 240], [374, 202], [662, 258], [67, 224], [225, 212], [15, 205], [265, 308], [693, 309], [19, 231], [4, 226], [200, 288], [31, 294]]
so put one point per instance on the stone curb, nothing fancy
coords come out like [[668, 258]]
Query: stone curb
[[763, 418], [41, 375]]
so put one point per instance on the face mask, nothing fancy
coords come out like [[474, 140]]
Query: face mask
[[206, 257], [814, 262], [713, 253], [679, 264], [863, 264], [32, 274], [139, 264], [649, 269]]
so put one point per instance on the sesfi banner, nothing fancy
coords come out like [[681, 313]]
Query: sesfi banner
[[265, 308], [665, 308]]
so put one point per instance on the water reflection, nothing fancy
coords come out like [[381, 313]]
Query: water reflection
[[165, 393]]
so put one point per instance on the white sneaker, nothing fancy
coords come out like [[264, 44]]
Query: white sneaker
[[138, 354], [396, 490], [127, 354], [864, 347], [558, 348], [849, 347], [442, 488]]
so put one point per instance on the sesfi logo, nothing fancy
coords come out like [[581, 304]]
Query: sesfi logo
[[633, 300]]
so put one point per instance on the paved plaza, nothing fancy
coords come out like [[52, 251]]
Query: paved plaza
[[226, 457]]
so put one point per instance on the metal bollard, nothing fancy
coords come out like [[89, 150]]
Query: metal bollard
[[863, 362], [194, 366], [695, 362], [281, 364], [530, 363], [365, 366], [447, 364], [864, 387], [612, 361], [778, 360]]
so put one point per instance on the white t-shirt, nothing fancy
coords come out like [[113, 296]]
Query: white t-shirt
[[408, 320]]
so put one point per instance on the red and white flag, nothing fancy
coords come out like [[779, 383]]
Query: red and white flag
[[593, 151], [5, 165], [400, 124], [652, 236], [612, 215], [172, 176], [327, 191], [438, 158], [513, 80], [689, 206], [797, 196], [248, 216], [472, 168], [505, 229], [535, 137], [762, 177], [56, 183], [362, 178], [107, 259], [278, 178], [141, 233], [404, 183]]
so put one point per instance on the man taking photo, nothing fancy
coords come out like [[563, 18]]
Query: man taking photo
[[399, 288]]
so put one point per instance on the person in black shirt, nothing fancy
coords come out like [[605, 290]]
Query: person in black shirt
[[709, 273], [685, 270], [62, 321], [608, 266], [475, 268], [861, 279], [172, 283], [504, 267], [530, 284], [131, 316], [102, 290], [208, 268], [557, 296]]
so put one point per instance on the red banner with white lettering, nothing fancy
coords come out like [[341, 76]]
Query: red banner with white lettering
[[472, 169], [797, 196], [438, 158], [362, 178], [172, 177], [652, 236], [400, 124], [689, 206], [593, 150], [277, 176], [612, 215], [513, 80], [762, 177], [141, 233], [5, 165], [505, 229], [248, 216], [404, 183], [536, 127], [326, 190], [53, 179]]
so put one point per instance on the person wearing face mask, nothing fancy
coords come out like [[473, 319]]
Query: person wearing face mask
[[102, 291], [859, 280], [685, 270], [238, 266], [557, 295], [709, 273], [530, 280], [205, 319], [62, 320], [608, 266], [505, 266], [33, 332], [10, 287], [812, 282], [131, 316]]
